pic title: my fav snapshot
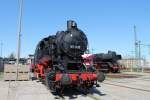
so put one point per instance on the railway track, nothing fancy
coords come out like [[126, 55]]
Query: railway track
[[144, 79], [124, 86]]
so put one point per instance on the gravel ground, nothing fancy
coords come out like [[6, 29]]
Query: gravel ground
[[111, 89]]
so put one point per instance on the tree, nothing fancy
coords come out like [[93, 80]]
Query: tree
[[12, 56]]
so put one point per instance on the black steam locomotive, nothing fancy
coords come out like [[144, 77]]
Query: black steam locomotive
[[107, 62], [59, 63]]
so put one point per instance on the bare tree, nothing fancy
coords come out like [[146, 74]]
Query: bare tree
[[12, 56]]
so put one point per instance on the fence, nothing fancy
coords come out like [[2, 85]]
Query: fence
[[11, 72]]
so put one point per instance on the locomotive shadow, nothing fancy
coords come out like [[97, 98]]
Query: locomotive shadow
[[74, 93]]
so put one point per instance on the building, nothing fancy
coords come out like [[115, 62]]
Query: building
[[132, 63], [30, 59]]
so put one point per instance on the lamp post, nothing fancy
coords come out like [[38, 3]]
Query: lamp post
[[19, 33]]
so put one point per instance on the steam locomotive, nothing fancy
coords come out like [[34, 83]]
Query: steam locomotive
[[104, 62], [107, 62], [59, 63]]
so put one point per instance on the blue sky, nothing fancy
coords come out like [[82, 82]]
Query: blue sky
[[107, 23]]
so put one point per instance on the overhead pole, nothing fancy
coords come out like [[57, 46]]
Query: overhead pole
[[135, 43], [1, 49], [147, 45], [19, 33], [149, 49], [136, 46], [139, 55]]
